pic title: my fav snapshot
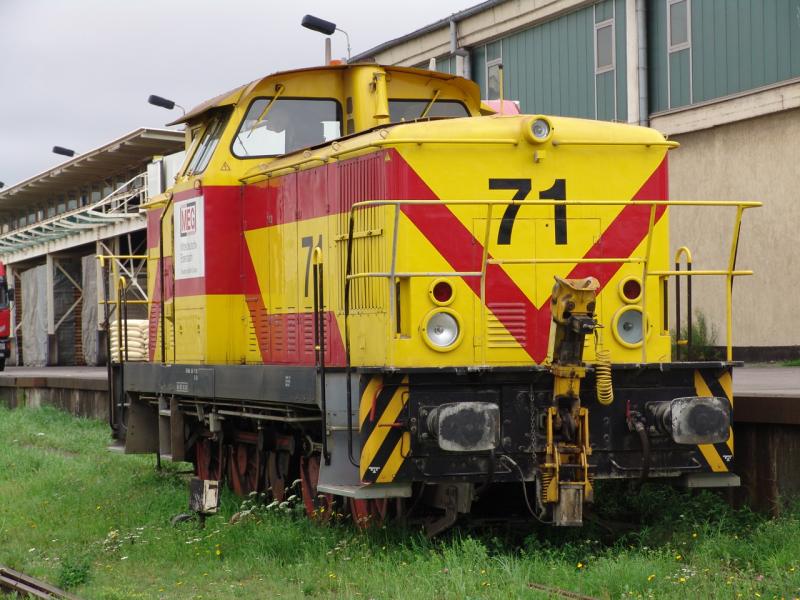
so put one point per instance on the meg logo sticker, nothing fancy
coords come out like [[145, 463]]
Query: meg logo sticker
[[188, 218], [189, 239]]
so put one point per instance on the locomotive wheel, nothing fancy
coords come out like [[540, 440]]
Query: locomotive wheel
[[207, 459], [275, 479], [318, 506], [242, 468], [369, 513]]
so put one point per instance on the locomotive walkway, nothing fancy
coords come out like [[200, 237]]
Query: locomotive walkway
[[762, 394]]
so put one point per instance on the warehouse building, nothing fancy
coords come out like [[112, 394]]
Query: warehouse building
[[722, 77]]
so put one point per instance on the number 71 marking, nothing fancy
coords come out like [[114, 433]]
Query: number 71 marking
[[558, 191]]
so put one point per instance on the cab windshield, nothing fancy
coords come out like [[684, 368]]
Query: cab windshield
[[411, 110], [285, 125]]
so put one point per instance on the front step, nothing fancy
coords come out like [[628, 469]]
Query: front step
[[369, 491]]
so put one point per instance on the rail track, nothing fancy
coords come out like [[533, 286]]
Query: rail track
[[13, 581], [555, 592]]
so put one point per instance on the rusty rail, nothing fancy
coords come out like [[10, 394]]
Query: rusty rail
[[558, 592], [14, 581]]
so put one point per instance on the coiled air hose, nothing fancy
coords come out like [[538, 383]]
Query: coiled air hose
[[602, 376]]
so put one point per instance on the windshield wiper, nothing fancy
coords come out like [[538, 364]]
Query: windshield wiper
[[279, 89], [430, 104]]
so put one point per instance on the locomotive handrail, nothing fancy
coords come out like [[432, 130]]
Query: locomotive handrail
[[548, 202], [666, 143], [486, 260]]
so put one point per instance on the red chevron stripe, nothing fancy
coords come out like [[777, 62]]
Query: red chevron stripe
[[463, 251]]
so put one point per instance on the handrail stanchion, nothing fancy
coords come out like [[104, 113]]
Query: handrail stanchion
[[112, 416], [683, 250], [394, 317], [319, 347], [485, 254], [348, 366], [118, 309], [645, 267], [729, 284]]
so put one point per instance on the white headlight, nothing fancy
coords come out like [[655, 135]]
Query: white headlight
[[629, 326], [442, 330], [540, 129]]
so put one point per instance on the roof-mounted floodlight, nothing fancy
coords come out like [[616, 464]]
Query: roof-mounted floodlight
[[63, 151], [325, 28], [163, 102], [319, 25]]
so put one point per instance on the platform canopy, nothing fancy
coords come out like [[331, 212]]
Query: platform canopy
[[92, 196], [123, 154]]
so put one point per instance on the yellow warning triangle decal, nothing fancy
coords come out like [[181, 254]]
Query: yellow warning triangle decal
[[225, 167]]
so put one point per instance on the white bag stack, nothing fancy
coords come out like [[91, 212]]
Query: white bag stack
[[137, 340]]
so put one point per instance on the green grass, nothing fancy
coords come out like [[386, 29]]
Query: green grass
[[795, 362], [98, 523]]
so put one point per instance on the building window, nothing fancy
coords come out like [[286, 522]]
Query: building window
[[604, 46], [678, 24], [679, 53], [494, 64], [445, 64]]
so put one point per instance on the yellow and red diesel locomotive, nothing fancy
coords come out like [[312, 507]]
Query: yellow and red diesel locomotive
[[365, 279]]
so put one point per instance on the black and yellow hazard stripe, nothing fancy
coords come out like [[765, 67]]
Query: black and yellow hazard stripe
[[385, 440], [718, 456]]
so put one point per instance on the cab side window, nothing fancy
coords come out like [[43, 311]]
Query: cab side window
[[208, 143]]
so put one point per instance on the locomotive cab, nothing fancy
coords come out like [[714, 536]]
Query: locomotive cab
[[351, 283]]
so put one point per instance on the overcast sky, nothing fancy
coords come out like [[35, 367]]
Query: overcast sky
[[77, 73]]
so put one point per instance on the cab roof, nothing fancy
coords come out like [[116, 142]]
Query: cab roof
[[470, 88]]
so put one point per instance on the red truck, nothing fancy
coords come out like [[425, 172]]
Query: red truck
[[5, 318]]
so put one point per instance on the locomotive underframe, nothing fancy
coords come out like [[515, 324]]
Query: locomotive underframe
[[178, 409]]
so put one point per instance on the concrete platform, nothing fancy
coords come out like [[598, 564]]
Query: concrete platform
[[53, 373], [767, 395], [82, 391], [766, 381]]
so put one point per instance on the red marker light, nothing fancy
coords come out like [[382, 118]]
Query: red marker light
[[442, 292], [632, 289]]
